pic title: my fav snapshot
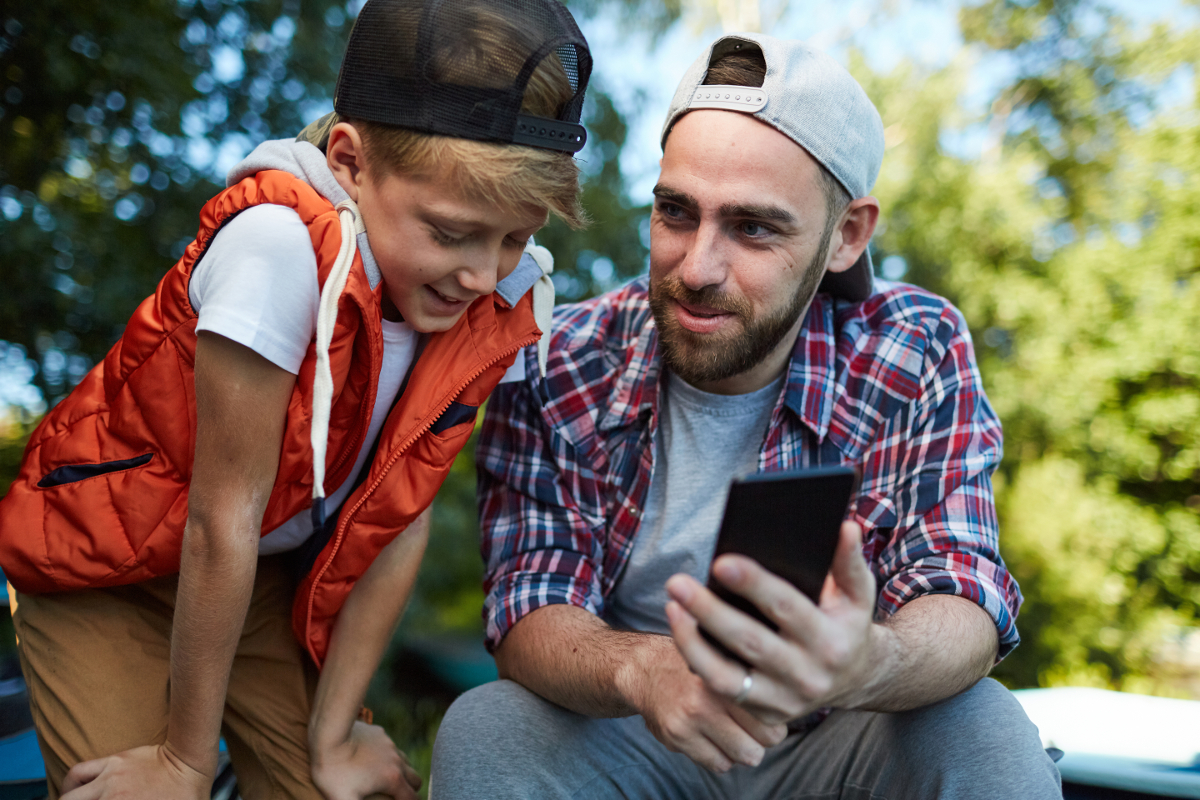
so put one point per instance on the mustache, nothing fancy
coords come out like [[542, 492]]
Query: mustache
[[671, 286]]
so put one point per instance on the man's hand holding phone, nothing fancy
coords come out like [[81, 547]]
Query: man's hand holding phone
[[823, 653]]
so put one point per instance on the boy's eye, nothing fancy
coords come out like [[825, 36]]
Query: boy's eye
[[512, 241], [441, 237]]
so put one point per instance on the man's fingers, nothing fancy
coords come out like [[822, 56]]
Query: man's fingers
[[734, 741], [742, 634], [707, 754], [777, 598], [849, 570], [768, 735], [82, 773], [722, 675]]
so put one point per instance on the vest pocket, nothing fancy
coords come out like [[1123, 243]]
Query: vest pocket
[[455, 414], [73, 473]]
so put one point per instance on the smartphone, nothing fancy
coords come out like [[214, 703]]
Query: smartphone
[[789, 523]]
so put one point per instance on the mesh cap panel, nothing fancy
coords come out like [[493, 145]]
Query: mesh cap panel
[[462, 68]]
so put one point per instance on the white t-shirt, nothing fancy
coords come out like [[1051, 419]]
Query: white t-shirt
[[257, 285]]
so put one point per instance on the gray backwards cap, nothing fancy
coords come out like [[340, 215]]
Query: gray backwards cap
[[812, 100]]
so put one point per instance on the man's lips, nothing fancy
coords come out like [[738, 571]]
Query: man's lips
[[700, 318]]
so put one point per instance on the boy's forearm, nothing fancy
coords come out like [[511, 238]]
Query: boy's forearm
[[216, 580], [361, 635], [241, 405]]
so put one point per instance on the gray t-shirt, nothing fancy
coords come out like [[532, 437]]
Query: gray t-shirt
[[704, 441]]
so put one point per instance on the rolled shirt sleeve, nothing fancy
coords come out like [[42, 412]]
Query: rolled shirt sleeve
[[539, 546], [928, 504]]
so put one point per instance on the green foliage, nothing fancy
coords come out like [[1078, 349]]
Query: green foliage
[[1073, 247], [112, 118], [611, 249]]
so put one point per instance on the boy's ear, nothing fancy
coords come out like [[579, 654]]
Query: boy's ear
[[346, 158]]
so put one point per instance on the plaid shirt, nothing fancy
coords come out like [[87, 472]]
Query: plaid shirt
[[889, 385]]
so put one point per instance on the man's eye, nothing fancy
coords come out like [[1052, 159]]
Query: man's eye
[[754, 230], [670, 210]]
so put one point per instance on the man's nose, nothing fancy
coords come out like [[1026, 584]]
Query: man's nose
[[705, 262]]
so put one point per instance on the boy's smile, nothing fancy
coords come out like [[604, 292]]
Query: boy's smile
[[437, 250]]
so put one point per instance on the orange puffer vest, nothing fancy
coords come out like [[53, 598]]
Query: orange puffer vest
[[101, 498]]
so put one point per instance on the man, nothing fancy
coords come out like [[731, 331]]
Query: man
[[598, 533]]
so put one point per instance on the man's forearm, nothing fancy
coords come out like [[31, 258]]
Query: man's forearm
[[364, 627], [570, 657], [933, 648]]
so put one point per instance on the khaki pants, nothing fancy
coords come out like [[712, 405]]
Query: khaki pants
[[97, 663]]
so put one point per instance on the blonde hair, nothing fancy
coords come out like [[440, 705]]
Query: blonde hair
[[506, 175]]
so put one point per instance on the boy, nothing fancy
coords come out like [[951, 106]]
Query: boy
[[164, 509]]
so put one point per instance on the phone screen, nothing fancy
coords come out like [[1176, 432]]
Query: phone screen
[[788, 522]]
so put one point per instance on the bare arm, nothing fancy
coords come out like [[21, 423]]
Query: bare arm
[[352, 759], [241, 407], [571, 657], [936, 646]]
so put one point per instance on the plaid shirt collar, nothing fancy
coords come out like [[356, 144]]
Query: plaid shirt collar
[[809, 393]]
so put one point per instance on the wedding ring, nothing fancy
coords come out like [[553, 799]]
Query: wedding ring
[[747, 683]]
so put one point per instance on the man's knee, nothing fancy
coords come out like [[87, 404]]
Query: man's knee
[[498, 740], [489, 715], [981, 739], [973, 716], [498, 723]]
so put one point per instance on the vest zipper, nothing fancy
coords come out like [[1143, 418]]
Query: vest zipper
[[344, 523]]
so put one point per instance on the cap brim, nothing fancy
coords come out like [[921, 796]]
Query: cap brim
[[855, 284]]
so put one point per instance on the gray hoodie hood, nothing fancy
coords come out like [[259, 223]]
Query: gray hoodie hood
[[308, 164]]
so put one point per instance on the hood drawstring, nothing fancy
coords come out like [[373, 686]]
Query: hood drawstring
[[331, 293], [543, 302]]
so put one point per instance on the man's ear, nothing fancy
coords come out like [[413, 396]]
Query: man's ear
[[853, 233], [346, 158]]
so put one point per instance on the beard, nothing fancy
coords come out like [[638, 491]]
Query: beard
[[704, 358]]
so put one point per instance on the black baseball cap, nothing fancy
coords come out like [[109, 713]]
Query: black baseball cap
[[461, 68]]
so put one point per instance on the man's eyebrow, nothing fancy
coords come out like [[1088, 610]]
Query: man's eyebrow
[[737, 210], [765, 213], [674, 196]]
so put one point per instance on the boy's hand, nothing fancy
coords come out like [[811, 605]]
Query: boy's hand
[[367, 763], [152, 772]]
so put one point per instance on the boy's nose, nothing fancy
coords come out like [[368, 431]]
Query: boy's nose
[[479, 278]]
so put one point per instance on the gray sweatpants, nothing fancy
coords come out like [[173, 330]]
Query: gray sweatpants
[[501, 741]]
